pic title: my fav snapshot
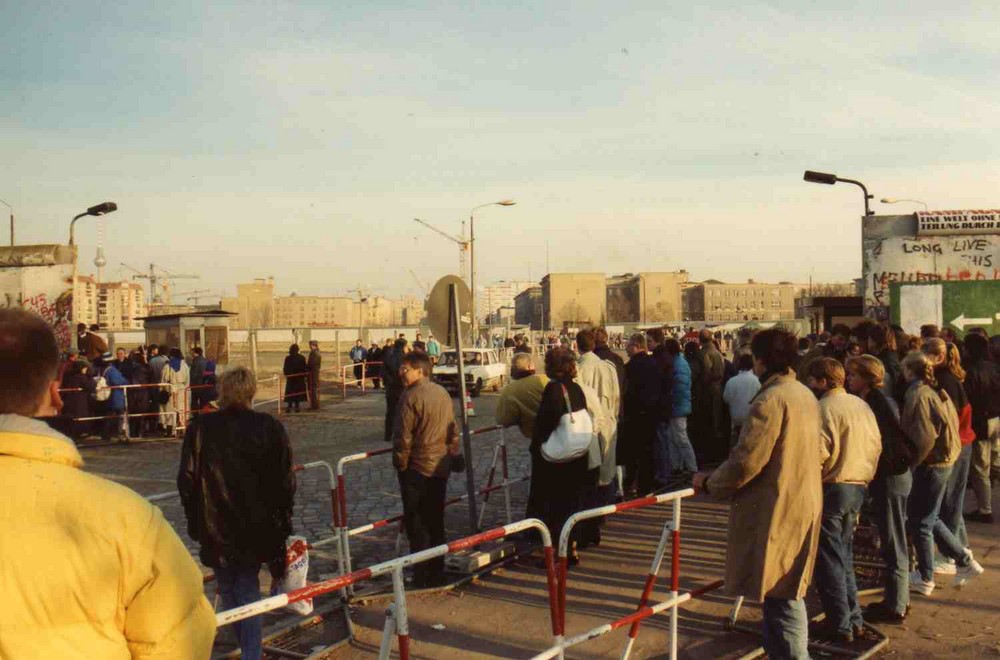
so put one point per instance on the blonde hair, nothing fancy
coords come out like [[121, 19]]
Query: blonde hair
[[919, 366], [868, 368], [945, 354], [237, 387]]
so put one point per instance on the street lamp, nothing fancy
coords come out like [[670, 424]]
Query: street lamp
[[895, 200], [830, 179], [472, 258], [11, 208], [99, 210]]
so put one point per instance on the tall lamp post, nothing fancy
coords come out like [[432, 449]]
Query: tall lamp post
[[472, 258], [98, 210], [830, 179], [895, 200], [11, 209]]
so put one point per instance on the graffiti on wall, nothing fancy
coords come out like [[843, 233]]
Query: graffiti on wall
[[925, 259], [44, 290]]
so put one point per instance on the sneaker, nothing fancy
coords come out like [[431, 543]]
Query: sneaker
[[966, 573], [979, 517], [945, 567], [919, 586]]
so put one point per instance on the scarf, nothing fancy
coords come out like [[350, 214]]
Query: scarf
[[175, 363]]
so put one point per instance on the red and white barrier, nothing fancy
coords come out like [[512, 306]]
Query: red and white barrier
[[671, 531], [397, 621], [340, 515]]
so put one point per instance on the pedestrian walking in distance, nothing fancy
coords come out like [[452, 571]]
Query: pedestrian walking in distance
[[425, 450], [773, 478], [237, 487], [90, 569]]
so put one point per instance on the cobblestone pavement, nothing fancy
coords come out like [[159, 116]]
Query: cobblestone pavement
[[338, 429]]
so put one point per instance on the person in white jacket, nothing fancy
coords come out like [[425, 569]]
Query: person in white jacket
[[177, 374]]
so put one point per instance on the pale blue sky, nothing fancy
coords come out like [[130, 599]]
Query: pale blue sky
[[300, 139]]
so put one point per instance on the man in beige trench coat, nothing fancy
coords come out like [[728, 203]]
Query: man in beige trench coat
[[773, 481]]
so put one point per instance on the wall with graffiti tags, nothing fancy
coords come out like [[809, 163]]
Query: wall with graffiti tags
[[45, 290], [892, 252]]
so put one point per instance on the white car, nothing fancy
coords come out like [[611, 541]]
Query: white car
[[483, 368]]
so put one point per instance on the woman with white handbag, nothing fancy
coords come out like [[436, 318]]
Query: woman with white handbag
[[561, 476]]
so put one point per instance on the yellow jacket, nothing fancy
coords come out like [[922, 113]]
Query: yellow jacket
[[88, 568]]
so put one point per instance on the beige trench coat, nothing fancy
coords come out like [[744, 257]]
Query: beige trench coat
[[773, 479]]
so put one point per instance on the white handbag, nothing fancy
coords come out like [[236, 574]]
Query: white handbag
[[572, 438]]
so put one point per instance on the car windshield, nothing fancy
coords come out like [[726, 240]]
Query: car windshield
[[469, 358]]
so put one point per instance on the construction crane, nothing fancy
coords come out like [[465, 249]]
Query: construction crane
[[420, 282], [463, 244], [158, 276], [197, 295]]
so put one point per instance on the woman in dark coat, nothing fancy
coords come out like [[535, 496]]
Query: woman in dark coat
[[139, 398], [558, 490], [296, 372], [77, 403]]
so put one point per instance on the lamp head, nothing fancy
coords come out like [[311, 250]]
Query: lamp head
[[819, 177], [102, 209]]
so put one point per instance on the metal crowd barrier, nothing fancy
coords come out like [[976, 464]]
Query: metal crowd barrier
[[397, 620], [340, 517], [671, 531]]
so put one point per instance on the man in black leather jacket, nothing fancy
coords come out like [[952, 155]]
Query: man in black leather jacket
[[237, 487]]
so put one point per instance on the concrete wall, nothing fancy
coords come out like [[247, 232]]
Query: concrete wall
[[892, 252], [39, 278]]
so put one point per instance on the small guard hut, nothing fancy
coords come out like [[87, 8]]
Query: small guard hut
[[209, 330]]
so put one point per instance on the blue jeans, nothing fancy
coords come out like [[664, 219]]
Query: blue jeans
[[953, 504], [889, 495], [239, 586], [834, 574], [672, 450], [786, 629], [929, 484]]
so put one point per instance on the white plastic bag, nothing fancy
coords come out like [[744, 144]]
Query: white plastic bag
[[296, 570]]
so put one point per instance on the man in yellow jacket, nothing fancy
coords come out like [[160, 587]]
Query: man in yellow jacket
[[88, 568]]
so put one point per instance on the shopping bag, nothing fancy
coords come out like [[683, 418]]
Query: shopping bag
[[296, 570]]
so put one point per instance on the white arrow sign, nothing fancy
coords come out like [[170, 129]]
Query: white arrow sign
[[961, 321]]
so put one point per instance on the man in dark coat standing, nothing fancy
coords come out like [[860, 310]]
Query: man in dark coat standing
[[198, 364], [314, 363], [392, 360], [641, 400]]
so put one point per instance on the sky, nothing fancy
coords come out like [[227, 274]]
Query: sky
[[300, 139]]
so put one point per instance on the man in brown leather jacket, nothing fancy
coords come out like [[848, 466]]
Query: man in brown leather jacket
[[425, 444]]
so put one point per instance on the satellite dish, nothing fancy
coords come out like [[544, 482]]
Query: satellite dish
[[439, 309]]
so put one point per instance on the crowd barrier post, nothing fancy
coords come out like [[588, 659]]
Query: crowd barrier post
[[643, 610], [394, 567]]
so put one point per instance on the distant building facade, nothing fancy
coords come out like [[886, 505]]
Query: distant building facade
[[296, 311], [573, 300], [253, 305], [499, 295], [528, 307], [85, 300], [715, 301], [120, 305], [651, 297]]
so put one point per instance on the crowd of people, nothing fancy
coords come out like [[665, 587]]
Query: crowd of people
[[804, 432], [804, 435], [96, 397]]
